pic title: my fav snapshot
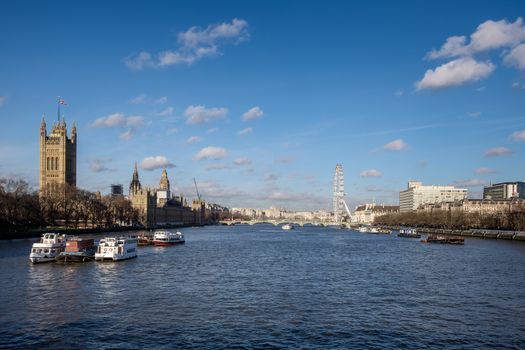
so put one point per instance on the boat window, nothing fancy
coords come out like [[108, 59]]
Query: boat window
[[46, 251]]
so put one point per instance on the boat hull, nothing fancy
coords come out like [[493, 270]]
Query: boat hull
[[114, 258], [74, 257], [41, 259], [409, 235], [162, 243]]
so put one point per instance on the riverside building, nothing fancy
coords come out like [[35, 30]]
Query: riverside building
[[505, 190], [417, 194]]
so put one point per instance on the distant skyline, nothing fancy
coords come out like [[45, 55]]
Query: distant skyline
[[260, 100]]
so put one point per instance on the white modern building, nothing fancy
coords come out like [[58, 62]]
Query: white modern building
[[416, 194], [505, 190]]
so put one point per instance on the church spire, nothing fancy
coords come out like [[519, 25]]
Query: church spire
[[135, 185]]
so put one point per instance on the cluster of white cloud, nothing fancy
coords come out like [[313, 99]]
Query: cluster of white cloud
[[211, 152], [484, 170], [98, 165], [396, 145], [145, 99], [518, 135], [193, 139], [245, 131], [194, 44], [201, 114], [155, 162], [498, 151], [2, 100], [284, 159], [490, 35], [131, 123], [242, 161], [252, 114], [370, 173]]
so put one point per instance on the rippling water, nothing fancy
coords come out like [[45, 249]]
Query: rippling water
[[261, 287]]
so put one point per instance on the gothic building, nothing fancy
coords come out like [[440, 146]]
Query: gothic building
[[157, 206], [58, 156]]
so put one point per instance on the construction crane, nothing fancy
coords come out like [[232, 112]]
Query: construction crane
[[197, 189]]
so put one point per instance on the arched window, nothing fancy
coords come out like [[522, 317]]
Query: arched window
[[47, 163], [52, 163], [56, 164]]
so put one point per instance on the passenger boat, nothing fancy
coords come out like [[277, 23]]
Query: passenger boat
[[363, 229], [145, 239], [287, 227], [408, 233], [112, 248], [442, 239], [49, 246], [165, 238], [78, 250]]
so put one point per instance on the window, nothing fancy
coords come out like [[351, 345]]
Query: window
[[47, 163]]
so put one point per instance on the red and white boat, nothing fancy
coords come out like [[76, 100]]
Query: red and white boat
[[164, 238]]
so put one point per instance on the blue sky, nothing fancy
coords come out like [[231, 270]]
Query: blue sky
[[432, 91]]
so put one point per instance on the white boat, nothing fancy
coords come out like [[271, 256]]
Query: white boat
[[363, 229], [287, 227], [163, 238], [113, 248], [48, 248]]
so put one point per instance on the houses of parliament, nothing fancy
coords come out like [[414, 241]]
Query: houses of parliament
[[156, 206]]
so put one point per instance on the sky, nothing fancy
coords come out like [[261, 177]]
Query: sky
[[259, 100]]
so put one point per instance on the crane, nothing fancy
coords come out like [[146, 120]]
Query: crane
[[197, 189]]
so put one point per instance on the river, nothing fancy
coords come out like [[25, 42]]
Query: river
[[261, 287]]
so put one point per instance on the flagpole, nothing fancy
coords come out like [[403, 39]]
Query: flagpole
[[58, 103]]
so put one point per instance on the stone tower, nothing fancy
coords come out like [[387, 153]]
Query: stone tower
[[135, 186], [58, 156], [163, 194]]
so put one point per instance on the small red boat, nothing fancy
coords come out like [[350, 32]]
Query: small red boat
[[166, 238]]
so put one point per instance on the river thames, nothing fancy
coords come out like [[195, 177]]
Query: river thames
[[261, 287]]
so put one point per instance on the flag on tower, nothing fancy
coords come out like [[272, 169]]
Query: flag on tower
[[62, 102]]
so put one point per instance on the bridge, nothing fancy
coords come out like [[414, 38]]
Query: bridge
[[279, 222]]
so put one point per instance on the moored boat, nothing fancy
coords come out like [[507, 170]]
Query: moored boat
[[408, 233], [78, 250], [166, 238], [443, 239], [145, 239], [287, 227], [48, 248], [112, 248]]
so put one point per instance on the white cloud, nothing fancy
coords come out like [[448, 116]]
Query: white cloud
[[217, 166], [253, 113], [471, 183], [518, 135], [139, 99], [118, 120], [140, 61], [516, 57], [498, 151], [160, 101], [474, 114], [155, 162], [484, 170], [244, 131], [99, 165], [212, 130], [210, 153], [127, 135], [399, 92], [516, 85], [166, 112], [396, 145], [370, 173], [112, 120], [242, 161], [172, 131], [201, 114], [454, 73], [488, 36], [193, 139], [3, 99], [284, 159], [194, 44]]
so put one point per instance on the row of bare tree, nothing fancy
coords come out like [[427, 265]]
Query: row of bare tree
[[510, 220], [22, 208]]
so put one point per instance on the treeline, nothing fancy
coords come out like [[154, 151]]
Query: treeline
[[22, 208], [514, 220]]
